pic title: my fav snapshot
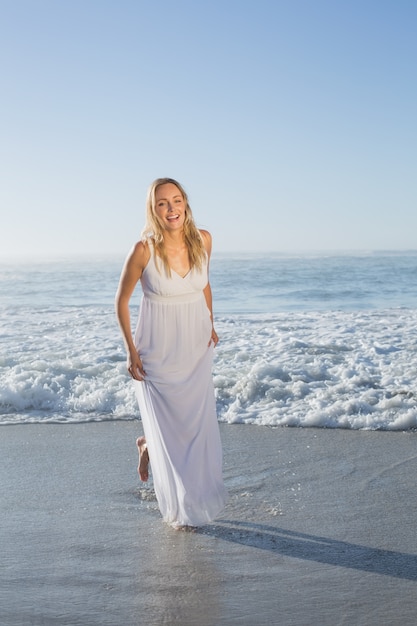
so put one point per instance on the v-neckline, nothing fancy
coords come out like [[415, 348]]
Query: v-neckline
[[179, 275], [172, 270]]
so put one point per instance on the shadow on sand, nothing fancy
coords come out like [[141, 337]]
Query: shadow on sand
[[314, 548]]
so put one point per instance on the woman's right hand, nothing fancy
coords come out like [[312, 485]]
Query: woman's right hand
[[134, 366]]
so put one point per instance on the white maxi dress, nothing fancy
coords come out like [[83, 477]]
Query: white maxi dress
[[176, 399]]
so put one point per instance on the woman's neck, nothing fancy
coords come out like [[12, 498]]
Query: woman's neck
[[174, 241]]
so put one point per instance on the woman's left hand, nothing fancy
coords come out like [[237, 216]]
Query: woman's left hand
[[214, 338]]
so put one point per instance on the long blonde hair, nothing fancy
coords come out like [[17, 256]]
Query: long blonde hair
[[154, 229]]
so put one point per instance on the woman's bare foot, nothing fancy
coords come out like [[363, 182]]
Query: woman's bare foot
[[185, 529], [143, 459]]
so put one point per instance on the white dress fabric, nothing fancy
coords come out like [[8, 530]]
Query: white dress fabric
[[176, 399]]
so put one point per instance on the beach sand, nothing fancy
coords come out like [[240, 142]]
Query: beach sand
[[320, 529]]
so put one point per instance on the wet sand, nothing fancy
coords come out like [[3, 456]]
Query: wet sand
[[320, 529]]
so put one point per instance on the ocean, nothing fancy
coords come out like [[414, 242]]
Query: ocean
[[324, 341]]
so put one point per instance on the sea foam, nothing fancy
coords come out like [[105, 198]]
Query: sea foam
[[304, 341], [334, 369]]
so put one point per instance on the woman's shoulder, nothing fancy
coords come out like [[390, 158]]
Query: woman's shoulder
[[205, 234], [141, 253], [206, 237]]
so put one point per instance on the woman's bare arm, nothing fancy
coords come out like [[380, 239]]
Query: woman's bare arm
[[131, 274], [207, 290]]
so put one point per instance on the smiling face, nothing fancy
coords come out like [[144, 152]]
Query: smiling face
[[170, 206]]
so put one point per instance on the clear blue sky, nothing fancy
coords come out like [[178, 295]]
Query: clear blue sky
[[291, 123]]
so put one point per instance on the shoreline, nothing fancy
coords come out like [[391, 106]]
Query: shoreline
[[319, 528]]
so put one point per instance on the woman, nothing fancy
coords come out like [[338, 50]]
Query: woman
[[170, 358]]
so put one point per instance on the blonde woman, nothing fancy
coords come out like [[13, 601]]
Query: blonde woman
[[170, 358]]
